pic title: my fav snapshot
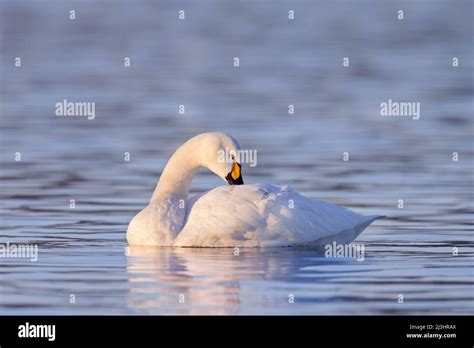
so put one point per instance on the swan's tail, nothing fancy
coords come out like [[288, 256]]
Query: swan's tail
[[361, 226], [347, 236]]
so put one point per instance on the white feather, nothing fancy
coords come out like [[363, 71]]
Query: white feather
[[257, 215], [266, 215]]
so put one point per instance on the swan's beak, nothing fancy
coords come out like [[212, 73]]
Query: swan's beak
[[235, 175]]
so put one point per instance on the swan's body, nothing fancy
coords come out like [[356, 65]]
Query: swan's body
[[255, 215]]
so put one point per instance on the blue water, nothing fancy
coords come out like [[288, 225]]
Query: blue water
[[83, 251]]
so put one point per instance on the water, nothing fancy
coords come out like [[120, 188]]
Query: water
[[82, 250]]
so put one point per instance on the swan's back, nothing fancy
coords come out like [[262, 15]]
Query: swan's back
[[266, 215]]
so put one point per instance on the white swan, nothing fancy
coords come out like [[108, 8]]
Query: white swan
[[257, 215]]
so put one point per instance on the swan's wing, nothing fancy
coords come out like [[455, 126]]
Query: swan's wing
[[224, 216], [266, 215]]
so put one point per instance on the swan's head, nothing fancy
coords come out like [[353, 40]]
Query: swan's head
[[220, 154]]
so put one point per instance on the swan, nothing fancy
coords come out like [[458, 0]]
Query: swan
[[237, 215]]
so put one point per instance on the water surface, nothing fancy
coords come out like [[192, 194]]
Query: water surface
[[82, 250]]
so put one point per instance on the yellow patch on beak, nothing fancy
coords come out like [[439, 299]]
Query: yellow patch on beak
[[235, 173]]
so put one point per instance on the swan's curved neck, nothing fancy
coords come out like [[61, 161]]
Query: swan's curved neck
[[178, 173]]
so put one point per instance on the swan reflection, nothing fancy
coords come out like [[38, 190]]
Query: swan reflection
[[209, 280]]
